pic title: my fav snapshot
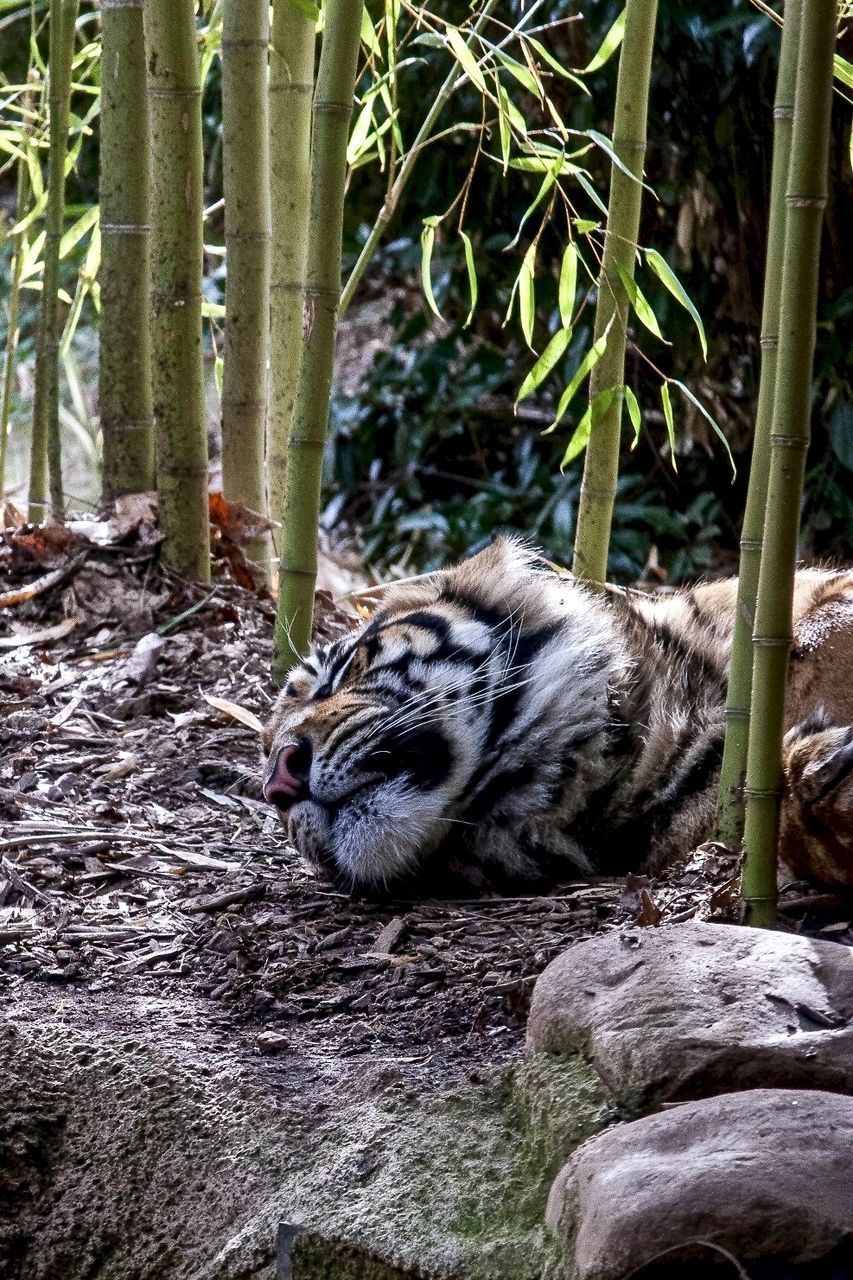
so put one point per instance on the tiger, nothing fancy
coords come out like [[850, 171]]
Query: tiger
[[506, 725]]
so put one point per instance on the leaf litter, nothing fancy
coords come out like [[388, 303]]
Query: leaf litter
[[137, 853]]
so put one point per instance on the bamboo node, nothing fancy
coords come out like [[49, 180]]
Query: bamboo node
[[736, 713], [248, 43], [772, 642], [291, 86], [805, 202], [296, 573], [751, 544], [125, 228], [106, 5], [762, 793], [127, 424], [316, 291], [629, 144], [783, 112], [789, 442], [154, 92], [343, 109], [769, 343]]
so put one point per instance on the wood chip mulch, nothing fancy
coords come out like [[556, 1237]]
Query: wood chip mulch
[[136, 852]]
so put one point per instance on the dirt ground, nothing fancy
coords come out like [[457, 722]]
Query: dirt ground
[[137, 855]]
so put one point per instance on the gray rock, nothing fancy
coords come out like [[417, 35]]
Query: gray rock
[[692, 1010], [138, 1142], [764, 1174]]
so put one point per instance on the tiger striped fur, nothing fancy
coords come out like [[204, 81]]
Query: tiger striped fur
[[504, 720]]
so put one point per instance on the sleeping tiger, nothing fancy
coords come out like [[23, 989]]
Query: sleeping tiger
[[503, 723]]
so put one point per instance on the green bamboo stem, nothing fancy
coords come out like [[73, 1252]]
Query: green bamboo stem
[[601, 463], [16, 266], [730, 803], [46, 454], [245, 162], [174, 104], [805, 201], [292, 52], [451, 81], [333, 103], [127, 416]]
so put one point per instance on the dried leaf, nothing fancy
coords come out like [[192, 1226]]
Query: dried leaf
[[236, 712]]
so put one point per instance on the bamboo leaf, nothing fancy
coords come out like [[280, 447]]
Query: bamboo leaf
[[472, 275], [607, 146], [608, 46], [843, 71], [634, 414], [667, 276], [465, 58], [554, 63], [360, 130], [527, 295], [568, 283], [544, 187], [427, 242], [76, 232], [589, 361], [670, 423], [583, 226], [715, 427], [582, 432], [546, 362], [590, 190], [503, 122], [522, 74], [368, 35], [640, 303], [233, 709]]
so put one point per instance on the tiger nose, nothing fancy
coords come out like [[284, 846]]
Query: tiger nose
[[286, 780]]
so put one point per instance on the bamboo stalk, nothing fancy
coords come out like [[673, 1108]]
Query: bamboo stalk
[[127, 418], [294, 37], [174, 101], [46, 455], [805, 202], [730, 803], [601, 463], [333, 103], [22, 195], [245, 163]]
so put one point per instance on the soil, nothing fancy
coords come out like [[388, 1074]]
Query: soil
[[139, 858]]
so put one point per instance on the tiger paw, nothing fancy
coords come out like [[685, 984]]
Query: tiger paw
[[816, 833]]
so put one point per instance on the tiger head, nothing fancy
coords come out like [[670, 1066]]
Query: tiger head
[[463, 723]]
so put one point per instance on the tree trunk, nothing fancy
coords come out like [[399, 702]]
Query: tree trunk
[[601, 464], [294, 37], [46, 456], [127, 421], [805, 201], [245, 163], [333, 104], [174, 100], [730, 802]]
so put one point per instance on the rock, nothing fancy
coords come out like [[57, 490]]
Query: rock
[[692, 1010], [763, 1174], [144, 1137], [271, 1042]]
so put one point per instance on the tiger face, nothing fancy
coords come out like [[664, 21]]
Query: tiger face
[[456, 725]]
